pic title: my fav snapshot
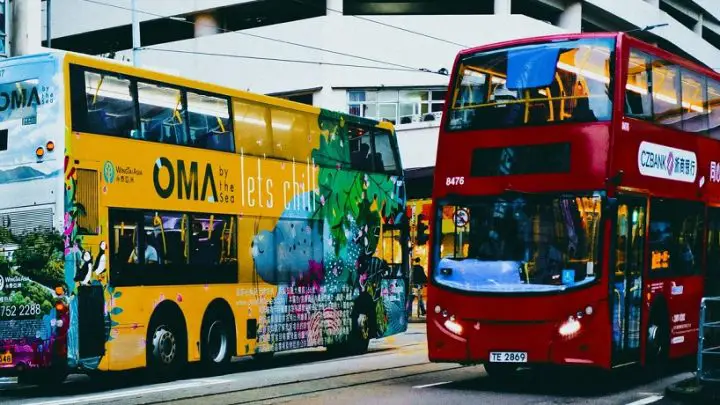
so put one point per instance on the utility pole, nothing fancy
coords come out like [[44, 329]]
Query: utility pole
[[25, 27], [48, 26], [135, 35]]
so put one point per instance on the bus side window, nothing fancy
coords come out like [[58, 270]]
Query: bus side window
[[212, 240], [361, 156], [713, 95], [712, 282], [675, 237], [165, 235], [161, 114], [101, 103], [123, 242], [666, 94], [384, 156], [638, 101], [209, 122]]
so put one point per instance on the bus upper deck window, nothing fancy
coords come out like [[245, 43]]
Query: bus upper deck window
[[110, 108], [209, 121]]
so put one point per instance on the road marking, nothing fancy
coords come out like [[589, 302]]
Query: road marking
[[431, 385], [130, 393], [648, 400]]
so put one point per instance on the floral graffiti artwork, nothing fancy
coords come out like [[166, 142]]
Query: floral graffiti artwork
[[324, 259]]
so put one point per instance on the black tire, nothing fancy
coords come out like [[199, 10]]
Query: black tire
[[218, 342], [657, 343], [263, 356], [359, 340], [363, 322], [166, 347], [500, 371], [45, 378]]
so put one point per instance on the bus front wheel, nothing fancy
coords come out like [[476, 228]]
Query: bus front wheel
[[166, 348], [500, 370]]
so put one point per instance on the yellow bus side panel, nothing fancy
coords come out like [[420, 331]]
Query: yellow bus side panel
[[256, 190]]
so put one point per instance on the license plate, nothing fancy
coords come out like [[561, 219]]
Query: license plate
[[508, 357], [6, 358]]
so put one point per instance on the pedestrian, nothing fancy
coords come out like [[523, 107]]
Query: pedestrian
[[419, 280]]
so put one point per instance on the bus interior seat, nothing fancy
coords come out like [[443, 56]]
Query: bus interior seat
[[379, 164], [175, 247], [218, 140], [97, 121], [582, 111], [173, 132], [360, 159]]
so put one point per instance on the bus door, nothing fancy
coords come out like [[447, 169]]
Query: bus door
[[91, 272], [626, 277], [712, 269]]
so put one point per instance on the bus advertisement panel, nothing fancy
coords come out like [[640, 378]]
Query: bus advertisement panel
[[201, 223], [32, 313]]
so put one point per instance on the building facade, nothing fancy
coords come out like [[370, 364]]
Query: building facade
[[379, 59]]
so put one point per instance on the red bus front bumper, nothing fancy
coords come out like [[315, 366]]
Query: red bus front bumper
[[468, 337]]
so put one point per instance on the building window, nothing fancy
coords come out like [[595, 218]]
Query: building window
[[3, 28], [403, 106]]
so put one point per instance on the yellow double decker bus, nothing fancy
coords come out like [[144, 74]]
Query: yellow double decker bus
[[147, 220]]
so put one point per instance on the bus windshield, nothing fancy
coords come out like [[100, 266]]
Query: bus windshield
[[548, 83], [519, 244]]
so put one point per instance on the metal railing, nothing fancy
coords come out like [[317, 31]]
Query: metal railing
[[708, 354]]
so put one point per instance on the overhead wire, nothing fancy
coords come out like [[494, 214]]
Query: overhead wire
[[302, 61], [384, 24], [398, 65]]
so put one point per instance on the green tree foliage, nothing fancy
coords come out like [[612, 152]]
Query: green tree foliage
[[5, 236], [40, 257], [4, 266]]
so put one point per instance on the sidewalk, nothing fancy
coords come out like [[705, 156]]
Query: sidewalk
[[414, 317], [688, 391]]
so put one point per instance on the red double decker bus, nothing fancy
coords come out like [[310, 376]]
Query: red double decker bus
[[576, 204]]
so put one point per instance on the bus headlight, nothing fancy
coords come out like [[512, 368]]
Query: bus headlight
[[453, 326], [569, 327]]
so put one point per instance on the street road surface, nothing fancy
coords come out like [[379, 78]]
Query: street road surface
[[396, 371]]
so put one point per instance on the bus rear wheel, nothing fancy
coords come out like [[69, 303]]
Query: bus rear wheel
[[359, 334], [217, 343]]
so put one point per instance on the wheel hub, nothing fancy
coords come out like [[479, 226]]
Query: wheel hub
[[363, 326], [217, 341], [164, 341]]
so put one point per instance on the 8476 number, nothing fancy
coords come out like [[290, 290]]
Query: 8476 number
[[455, 181]]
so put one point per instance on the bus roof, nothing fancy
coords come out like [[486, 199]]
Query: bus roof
[[537, 39], [623, 37], [112, 65]]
